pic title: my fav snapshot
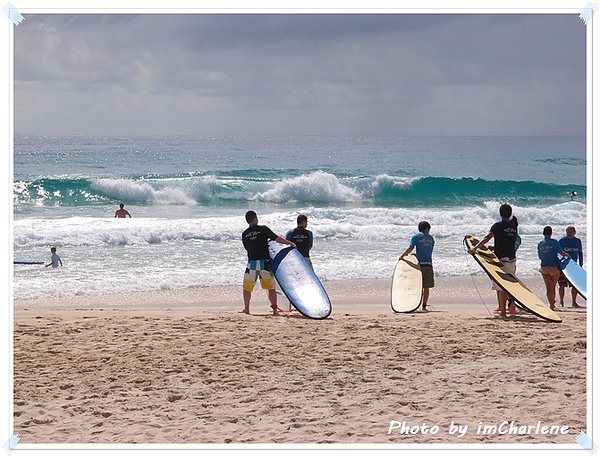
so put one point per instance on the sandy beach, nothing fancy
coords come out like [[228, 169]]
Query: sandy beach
[[185, 367]]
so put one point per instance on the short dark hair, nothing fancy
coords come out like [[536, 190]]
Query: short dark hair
[[301, 218], [505, 210], [424, 225], [547, 230], [121, 205], [250, 216]]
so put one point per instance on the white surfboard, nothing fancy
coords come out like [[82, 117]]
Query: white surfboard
[[298, 281], [407, 285]]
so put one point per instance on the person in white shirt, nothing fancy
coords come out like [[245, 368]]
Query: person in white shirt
[[54, 259]]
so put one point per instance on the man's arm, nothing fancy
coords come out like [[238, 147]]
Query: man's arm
[[487, 238], [284, 241], [405, 253]]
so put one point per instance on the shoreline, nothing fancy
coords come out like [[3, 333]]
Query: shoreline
[[448, 292]]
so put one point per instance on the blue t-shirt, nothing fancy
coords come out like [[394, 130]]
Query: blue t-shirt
[[573, 248], [424, 243], [548, 250]]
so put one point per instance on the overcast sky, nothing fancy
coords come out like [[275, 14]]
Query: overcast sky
[[300, 74]]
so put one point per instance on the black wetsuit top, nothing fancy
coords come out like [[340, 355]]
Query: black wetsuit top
[[505, 233], [256, 241], [303, 240]]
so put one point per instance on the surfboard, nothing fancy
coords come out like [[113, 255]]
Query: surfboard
[[407, 285], [574, 273], [27, 262], [509, 282], [298, 281]]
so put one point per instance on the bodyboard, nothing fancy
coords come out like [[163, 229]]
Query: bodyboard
[[509, 282], [298, 281], [574, 273], [407, 285]]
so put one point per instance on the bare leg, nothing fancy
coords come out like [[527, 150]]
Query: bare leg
[[550, 290], [247, 296], [425, 297], [511, 306], [502, 297], [561, 294], [273, 300], [574, 297]]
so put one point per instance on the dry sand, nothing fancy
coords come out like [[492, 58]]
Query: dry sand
[[186, 367]]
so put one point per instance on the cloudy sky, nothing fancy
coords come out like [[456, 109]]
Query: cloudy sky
[[300, 74]]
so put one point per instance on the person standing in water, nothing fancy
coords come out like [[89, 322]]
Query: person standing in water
[[54, 259], [122, 212]]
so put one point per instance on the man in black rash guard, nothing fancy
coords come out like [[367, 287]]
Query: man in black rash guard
[[302, 237], [504, 234], [256, 242]]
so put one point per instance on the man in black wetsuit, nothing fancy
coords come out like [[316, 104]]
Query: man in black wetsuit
[[504, 234], [302, 238], [256, 242]]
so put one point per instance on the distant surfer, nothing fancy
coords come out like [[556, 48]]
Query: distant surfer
[[423, 242], [571, 245], [573, 195], [256, 242], [54, 259], [548, 250], [505, 235], [122, 212], [302, 238]]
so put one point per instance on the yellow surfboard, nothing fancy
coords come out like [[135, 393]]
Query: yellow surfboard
[[494, 268]]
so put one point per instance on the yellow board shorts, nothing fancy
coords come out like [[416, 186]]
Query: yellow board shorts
[[258, 269]]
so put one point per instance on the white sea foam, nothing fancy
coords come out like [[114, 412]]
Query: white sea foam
[[315, 187], [122, 189]]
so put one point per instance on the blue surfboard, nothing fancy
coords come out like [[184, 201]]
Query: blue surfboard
[[27, 262], [298, 281], [574, 273]]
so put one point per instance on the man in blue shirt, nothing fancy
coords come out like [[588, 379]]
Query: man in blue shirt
[[548, 250], [571, 245], [423, 242]]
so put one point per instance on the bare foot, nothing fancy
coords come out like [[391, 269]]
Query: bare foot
[[244, 311], [575, 305]]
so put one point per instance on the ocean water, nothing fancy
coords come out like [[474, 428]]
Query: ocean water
[[363, 196]]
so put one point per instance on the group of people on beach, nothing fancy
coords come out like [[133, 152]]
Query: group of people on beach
[[506, 242], [504, 232]]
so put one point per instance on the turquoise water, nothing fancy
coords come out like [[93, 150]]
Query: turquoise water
[[364, 197]]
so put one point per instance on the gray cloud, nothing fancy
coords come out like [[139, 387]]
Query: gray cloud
[[300, 74]]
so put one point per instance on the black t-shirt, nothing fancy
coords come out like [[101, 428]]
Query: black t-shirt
[[303, 240], [256, 241], [505, 233]]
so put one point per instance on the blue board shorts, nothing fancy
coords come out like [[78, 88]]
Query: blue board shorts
[[259, 269]]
